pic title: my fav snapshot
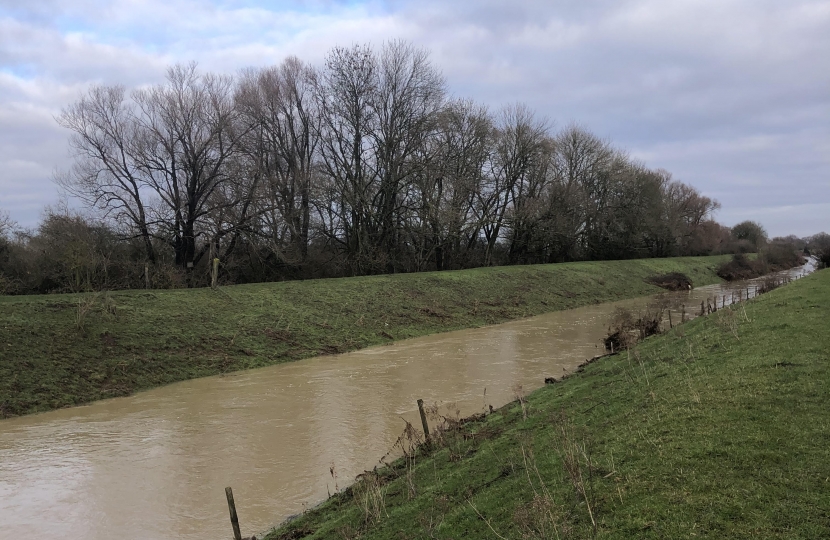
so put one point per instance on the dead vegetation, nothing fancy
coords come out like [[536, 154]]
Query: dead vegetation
[[627, 328], [574, 450], [88, 304], [768, 284], [370, 495], [674, 281]]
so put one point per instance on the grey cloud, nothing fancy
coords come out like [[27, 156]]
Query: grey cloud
[[729, 95]]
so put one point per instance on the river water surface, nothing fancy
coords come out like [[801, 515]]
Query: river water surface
[[155, 465]]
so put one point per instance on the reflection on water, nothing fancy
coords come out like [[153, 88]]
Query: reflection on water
[[155, 465]]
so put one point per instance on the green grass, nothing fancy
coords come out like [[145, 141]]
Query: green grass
[[716, 429], [134, 340]]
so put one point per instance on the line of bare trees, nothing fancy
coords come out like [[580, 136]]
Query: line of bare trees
[[362, 165]]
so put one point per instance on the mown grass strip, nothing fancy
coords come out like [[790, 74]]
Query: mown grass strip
[[63, 350], [716, 429]]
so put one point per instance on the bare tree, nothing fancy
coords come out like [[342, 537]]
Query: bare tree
[[188, 133], [516, 155], [581, 163], [362, 166], [685, 209], [158, 162], [346, 87], [377, 113], [448, 184], [7, 224], [281, 148], [408, 96], [108, 172]]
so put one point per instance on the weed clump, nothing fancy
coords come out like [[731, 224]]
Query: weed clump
[[97, 302], [370, 496]]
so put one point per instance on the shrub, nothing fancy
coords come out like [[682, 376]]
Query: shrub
[[739, 268], [626, 328], [674, 281], [780, 256]]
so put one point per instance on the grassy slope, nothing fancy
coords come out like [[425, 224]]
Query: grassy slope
[[134, 340], [717, 429]]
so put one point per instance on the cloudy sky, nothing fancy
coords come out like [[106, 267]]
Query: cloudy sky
[[731, 96]]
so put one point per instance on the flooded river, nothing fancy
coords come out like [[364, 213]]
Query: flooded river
[[155, 465]]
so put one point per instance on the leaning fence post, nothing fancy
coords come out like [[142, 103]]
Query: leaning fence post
[[234, 520], [423, 419]]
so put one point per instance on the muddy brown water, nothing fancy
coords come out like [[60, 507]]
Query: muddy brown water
[[155, 465]]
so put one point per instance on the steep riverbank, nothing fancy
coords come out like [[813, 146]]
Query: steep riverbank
[[714, 429], [63, 350]]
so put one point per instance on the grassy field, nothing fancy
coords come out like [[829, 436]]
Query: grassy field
[[716, 429], [63, 350]]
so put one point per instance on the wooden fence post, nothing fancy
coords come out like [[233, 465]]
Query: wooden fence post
[[214, 273], [670, 323], [234, 520], [423, 419]]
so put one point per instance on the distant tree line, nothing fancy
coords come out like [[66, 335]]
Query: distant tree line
[[363, 165]]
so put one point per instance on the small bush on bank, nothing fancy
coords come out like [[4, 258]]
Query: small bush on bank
[[781, 257], [627, 328], [739, 268], [674, 281]]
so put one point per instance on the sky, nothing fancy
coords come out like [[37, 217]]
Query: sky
[[730, 96]]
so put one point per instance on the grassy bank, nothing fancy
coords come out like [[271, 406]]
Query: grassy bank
[[63, 350], [717, 429]]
